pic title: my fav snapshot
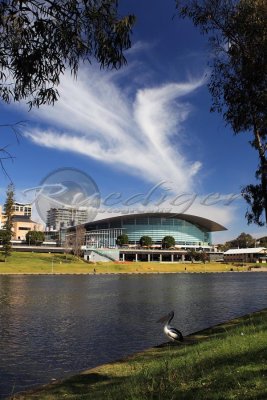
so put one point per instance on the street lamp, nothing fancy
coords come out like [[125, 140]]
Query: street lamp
[[52, 265]]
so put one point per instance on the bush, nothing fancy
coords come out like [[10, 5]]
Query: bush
[[122, 240], [145, 241], [167, 242]]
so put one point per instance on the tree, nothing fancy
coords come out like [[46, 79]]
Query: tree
[[40, 39], [68, 243], [167, 242], [8, 225], [78, 241], [145, 241], [122, 240], [203, 257], [262, 242], [242, 241], [2, 235], [35, 237], [192, 255], [237, 32], [75, 239]]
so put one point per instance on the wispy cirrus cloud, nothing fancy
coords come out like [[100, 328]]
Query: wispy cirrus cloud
[[137, 130]]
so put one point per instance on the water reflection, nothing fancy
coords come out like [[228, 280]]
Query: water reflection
[[61, 324]]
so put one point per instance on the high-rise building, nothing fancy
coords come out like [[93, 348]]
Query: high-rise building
[[58, 218]]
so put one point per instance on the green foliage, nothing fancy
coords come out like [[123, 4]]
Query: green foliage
[[2, 235], [253, 194], [122, 240], [167, 242], [237, 32], [5, 240], [145, 241], [242, 241], [262, 242], [35, 237], [41, 39], [8, 226]]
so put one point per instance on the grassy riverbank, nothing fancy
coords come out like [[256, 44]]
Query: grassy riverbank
[[225, 362], [45, 263]]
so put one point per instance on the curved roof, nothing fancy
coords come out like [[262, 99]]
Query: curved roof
[[208, 224]]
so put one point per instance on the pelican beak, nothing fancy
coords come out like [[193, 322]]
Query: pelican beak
[[163, 319]]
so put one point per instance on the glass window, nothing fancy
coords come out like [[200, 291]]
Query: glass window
[[178, 222], [141, 221], [115, 224], [129, 221], [104, 225], [154, 221], [167, 221]]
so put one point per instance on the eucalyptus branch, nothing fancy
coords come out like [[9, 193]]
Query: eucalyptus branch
[[8, 156], [239, 73], [15, 127]]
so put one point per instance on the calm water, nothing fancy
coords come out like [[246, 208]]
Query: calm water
[[53, 326]]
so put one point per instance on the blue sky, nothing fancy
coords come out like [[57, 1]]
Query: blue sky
[[145, 125]]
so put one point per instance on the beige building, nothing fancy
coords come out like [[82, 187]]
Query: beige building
[[22, 222], [22, 209], [254, 254]]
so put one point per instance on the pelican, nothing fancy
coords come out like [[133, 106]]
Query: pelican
[[170, 331]]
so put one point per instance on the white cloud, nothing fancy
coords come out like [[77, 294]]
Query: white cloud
[[182, 203], [135, 132], [139, 47], [140, 131]]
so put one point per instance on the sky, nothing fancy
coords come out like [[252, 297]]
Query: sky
[[144, 134]]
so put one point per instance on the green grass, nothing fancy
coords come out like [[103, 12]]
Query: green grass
[[45, 263], [225, 362], [41, 263]]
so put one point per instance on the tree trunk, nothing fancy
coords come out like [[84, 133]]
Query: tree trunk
[[263, 167], [264, 185]]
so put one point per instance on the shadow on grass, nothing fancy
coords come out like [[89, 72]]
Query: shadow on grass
[[227, 327], [218, 377], [227, 366], [214, 379], [89, 384]]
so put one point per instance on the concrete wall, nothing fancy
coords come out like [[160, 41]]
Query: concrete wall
[[101, 255]]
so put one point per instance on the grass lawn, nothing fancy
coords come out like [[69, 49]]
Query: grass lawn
[[45, 263], [222, 363], [41, 263]]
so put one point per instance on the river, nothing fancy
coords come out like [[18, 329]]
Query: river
[[55, 326]]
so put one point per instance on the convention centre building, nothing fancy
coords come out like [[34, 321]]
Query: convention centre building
[[189, 231]]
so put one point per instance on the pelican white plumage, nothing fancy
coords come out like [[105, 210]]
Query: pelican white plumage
[[172, 333]]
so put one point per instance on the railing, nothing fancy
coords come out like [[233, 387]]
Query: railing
[[104, 254]]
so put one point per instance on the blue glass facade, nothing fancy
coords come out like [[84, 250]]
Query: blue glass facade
[[184, 232], [157, 227]]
